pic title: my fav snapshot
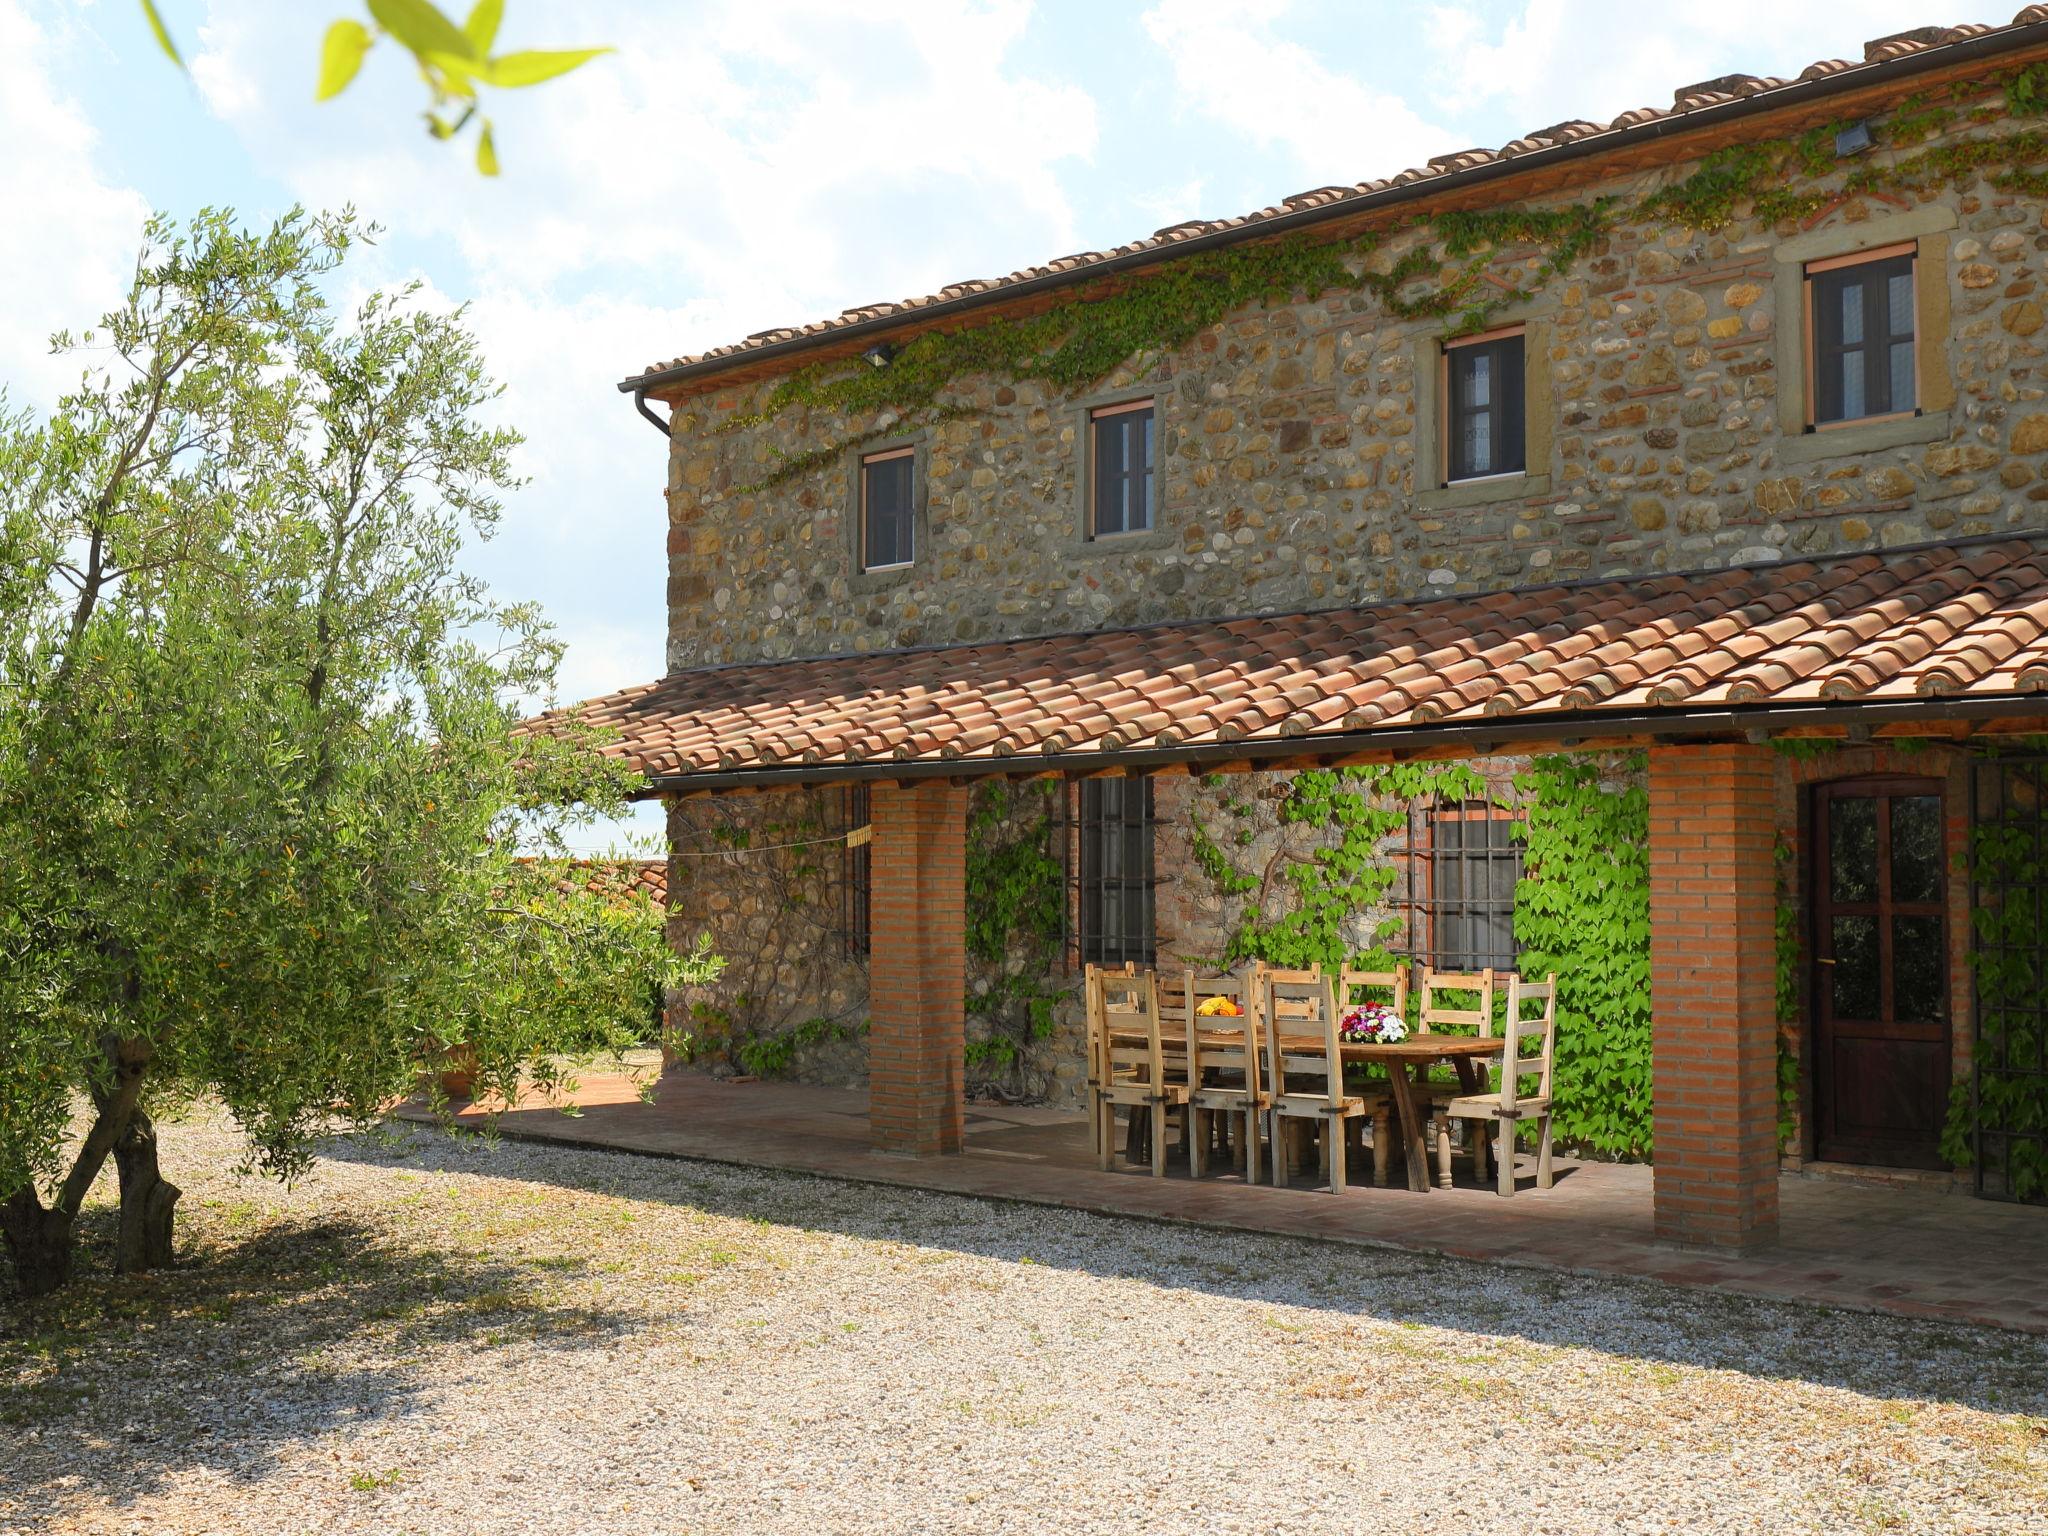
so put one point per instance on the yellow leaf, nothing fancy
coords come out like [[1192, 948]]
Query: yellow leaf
[[487, 163], [341, 55]]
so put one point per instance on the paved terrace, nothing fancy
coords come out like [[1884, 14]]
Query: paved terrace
[[1921, 1251]]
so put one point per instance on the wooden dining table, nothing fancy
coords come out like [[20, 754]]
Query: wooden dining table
[[1415, 1055], [1407, 1062]]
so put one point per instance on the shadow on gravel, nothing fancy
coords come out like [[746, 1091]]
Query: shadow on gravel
[[299, 1329], [1641, 1320]]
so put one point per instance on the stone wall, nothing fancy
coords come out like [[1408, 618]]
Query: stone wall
[[1288, 450]]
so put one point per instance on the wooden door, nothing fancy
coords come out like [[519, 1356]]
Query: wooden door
[[1881, 971]]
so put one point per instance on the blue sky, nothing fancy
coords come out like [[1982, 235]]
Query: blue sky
[[762, 162]]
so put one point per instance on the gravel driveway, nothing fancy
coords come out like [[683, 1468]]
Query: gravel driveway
[[454, 1336]]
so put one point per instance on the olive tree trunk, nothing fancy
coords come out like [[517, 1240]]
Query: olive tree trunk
[[148, 1200], [38, 1240]]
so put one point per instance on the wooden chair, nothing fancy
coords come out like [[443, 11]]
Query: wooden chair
[[1379, 1108], [1135, 1071], [1223, 1073], [1437, 1015], [1508, 1108], [1092, 1009], [1300, 1019]]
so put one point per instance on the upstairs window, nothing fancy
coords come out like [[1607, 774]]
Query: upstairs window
[[887, 509], [1483, 411], [1120, 489], [1859, 322]]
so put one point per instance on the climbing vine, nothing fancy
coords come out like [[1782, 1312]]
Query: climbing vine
[[1447, 275], [1320, 897], [1015, 896], [1583, 911], [2010, 960]]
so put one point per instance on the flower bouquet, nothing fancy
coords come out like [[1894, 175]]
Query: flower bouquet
[[1372, 1024]]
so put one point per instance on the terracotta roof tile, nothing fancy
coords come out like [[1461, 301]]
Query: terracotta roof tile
[[1925, 624], [607, 877]]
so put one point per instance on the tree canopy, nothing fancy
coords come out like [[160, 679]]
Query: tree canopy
[[262, 791]]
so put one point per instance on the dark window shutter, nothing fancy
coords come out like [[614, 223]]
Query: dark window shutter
[[1121, 452], [1863, 340], [887, 533], [1485, 422]]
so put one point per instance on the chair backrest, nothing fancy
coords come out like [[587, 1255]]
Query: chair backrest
[[1219, 1042], [1437, 1012], [1520, 1030], [1134, 1048], [1301, 1032], [1095, 993], [1351, 984]]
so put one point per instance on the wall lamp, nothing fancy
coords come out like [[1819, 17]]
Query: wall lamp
[[1852, 140], [880, 355]]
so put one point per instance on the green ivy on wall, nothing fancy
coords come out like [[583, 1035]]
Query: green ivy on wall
[[1583, 911], [2010, 961], [1016, 896], [1323, 894], [1082, 341]]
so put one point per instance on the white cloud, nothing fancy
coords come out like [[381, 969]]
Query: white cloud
[[1229, 63], [68, 242], [771, 154], [1550, 60]]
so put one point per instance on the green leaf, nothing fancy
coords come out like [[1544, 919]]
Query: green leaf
[[487, 152], [420, 26], [163, 33], [532, 67], [341, 55], [482, 26]]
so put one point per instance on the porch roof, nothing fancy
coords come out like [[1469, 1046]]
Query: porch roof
[[1922, 633]]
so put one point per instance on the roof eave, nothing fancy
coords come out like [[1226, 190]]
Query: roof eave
[[1475, 735], [2013, 39]]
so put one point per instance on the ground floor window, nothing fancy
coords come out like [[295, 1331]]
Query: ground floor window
[[1118, 885], [1464, 862], [856, 882]]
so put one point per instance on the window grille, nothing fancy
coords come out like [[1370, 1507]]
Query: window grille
[[1116, 907], [2009, 967], [856, 885], [1463, 864]]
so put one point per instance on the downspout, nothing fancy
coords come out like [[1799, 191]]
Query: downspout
[[640, 405]]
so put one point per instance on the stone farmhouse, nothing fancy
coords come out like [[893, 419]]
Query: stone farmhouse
[[1622, 553]]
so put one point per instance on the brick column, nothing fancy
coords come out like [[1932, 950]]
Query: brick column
[[1713, 994], [917, 968]]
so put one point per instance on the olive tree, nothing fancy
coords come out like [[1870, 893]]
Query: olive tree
[[262, 790]]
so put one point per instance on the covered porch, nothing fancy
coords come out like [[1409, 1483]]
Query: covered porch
[[1707, 676]]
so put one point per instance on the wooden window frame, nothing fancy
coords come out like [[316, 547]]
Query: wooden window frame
[[1101, 413], [884, 456], [1446, 429], [1909, 249]]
